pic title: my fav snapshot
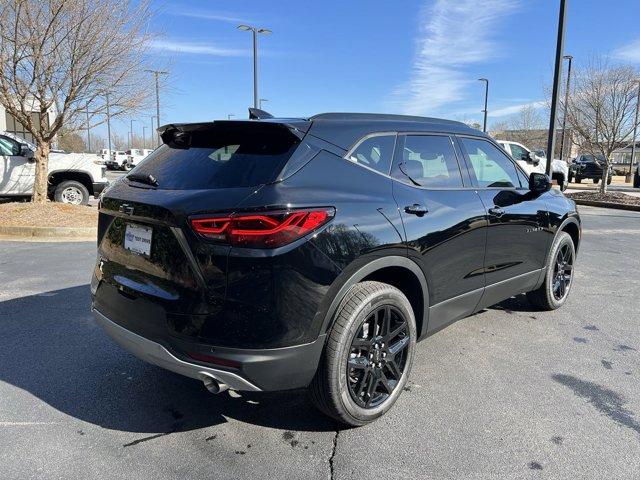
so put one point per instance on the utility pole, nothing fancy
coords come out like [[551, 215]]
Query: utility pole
[[156, 75], [486, 100], [566, 104], [557, 78], [255, 31], [635, 132], [108, 125]]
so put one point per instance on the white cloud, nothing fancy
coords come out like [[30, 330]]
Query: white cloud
[[629, 52], [453, 35], [221, 17], [197, 48], [513, 109]]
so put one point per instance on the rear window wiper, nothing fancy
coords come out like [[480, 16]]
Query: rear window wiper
[[145, 178]]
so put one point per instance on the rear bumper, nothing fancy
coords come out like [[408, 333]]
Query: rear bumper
[[259, 370]]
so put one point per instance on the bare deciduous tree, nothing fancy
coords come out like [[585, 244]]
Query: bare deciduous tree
[[601, 109], [60, 58], [71, 141], [526, 127]]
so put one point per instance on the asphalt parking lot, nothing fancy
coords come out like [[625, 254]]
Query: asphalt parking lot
[[507, 393]]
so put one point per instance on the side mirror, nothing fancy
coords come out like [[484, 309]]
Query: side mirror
[[539, 182], [533, 158], [26, 152]]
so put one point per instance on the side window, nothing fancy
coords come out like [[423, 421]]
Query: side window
[[490, 165], [9, 146], [429, 161], [518, 153], [375, 152]]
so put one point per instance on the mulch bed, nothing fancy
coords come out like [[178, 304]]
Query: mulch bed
[[611, 197], [21, 214]]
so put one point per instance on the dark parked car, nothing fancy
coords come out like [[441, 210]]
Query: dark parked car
[[588, 166], [274, 254]]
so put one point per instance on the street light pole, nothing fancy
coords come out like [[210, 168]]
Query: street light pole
[[230, 115], [144, 136], [262, 100], [156, 75], [255, 31], [566, 104], [486, 100], [635, 132], [557, 78], [88, 132], [108, 125], [131, 134]]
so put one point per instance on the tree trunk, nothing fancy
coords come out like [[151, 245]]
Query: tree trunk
[[41, 181], [604, 179]]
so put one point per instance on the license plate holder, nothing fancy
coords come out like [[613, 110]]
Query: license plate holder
[[137, 239]]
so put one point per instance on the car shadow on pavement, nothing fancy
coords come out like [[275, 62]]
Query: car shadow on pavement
[[518, 303], [52, 349]]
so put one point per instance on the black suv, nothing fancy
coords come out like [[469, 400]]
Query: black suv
[[276, 253]]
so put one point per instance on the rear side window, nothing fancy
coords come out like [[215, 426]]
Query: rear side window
[[375, 152], [429, 161], [222, 157], [492, 168]]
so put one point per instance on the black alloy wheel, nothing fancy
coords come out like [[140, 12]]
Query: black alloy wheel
[[368, 354], [377, 356], [562, 272]]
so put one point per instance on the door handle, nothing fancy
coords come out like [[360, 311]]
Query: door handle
[[496, 211], [416, 209]]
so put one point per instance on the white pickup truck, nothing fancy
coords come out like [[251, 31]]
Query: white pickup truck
[[535, 161], [73, 177]]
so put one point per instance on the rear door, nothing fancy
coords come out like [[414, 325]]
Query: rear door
[[444, 223], [518, 232]]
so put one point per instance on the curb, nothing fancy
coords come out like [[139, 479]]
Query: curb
[[49, 233], [619, 206]]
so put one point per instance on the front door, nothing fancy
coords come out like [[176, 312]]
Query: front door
[[518, 233], [444, 223], [16, 173]]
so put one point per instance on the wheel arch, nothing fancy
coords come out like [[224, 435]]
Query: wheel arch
[[571, 226], [400, 272], [58, 176]]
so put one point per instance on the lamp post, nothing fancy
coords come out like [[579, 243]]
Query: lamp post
[[152, 117], [486, 100], [108, 125], [262, 100], [557, 77], [230, 115], [255, 31], [88, 132], [156, 74], [144, 136], [635, 132], [566, 104], [131, 133]]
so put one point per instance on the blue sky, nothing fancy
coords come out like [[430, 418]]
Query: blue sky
[[419, 57]]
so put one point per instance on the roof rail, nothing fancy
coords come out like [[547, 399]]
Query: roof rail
[[382, 117]]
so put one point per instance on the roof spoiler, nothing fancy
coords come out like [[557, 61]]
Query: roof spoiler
[[257, 114]]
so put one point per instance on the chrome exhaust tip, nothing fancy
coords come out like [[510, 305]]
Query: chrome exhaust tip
[[212, 384]]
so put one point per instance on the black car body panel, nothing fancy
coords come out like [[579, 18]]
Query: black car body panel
[[264, 312]]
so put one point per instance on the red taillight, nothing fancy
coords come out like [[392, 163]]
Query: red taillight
[[262, 230], [203, 357]]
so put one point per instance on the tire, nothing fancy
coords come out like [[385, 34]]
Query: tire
[[570, 177], [562, 184], [578, 179], [636, 181], [609, 180], [596, 180], [71, 191], [545, 297], [335, 387]]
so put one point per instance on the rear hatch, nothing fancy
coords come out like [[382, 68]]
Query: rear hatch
[[153, 274]]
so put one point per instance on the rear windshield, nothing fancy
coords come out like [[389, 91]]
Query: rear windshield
[[221, 157]]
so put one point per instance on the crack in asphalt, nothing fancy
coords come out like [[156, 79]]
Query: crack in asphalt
[[333, 454]]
